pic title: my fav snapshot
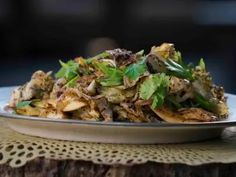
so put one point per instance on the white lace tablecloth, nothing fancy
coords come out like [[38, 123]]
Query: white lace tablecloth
[[17, 149]]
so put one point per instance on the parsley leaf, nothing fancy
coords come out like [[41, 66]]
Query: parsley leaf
[[112, 76], [158, 97], [68, 70], [72, 82], [154, 88], [202, 64], [99, 56], [135, 70], [178, 57], [178, 70], [204, 103], [23, 104]]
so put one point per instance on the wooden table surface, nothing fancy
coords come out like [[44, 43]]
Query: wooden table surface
[[41, 167]]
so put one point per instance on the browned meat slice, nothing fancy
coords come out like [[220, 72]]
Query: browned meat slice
[[122, 57], [184, 115], [104, 108], [182, 89], [39, 86], [154, 64]]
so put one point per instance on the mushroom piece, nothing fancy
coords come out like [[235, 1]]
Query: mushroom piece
[[185, 115], [74, 105]]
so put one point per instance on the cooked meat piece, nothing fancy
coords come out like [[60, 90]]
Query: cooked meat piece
[[221, 109], [155, 64], [38, 87], [181, 88], [134, 113], [166, 50], [104, 108], [113, 95], [122, 57], [86, 113], [91, 89], [218, 93], [41, 112], [177, 84], [126, 115], [52, 113], [73, 105], [184, 115], [28, 111], [58, 88], [150, 115]]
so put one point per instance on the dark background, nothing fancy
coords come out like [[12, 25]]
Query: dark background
[[34, 34]]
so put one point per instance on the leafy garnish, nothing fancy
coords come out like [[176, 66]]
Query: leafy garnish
[[204, 103], [154, 88], [159, 96], [135, 70], [68, 70], [172, 101], [202, 64], [72, 82], [140, 53], [178, 70], [112, 76], [178, 57], [23, 104], [99, 56]]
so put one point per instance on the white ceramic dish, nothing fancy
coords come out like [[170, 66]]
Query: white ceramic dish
[[114, 132]]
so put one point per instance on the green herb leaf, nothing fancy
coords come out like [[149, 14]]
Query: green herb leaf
[[135, 70], [202, 64], [97, 57], [112, 76], [173, 102], [23, 104], [178, 70], [158, 97], [68, 70], [72, 82], [154, 88], [140, 53], [178, 57], [204, 103], [111, 81]]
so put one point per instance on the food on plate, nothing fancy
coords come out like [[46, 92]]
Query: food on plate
[[121, 86]]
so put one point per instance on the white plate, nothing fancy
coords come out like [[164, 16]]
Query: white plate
[[115, 132]]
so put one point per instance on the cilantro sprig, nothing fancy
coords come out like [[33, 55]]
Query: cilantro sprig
[[203, 102], [22, 104], [112, 76], [68, 70], [202, 64], [135, 70], [155, 88], [97, 57], [179, 70]]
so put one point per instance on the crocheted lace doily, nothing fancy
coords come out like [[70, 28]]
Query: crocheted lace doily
[[17, 149]]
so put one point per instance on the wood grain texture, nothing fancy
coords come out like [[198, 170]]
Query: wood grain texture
[[41, 167]]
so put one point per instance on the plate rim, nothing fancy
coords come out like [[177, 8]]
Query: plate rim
[[215, 124]]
